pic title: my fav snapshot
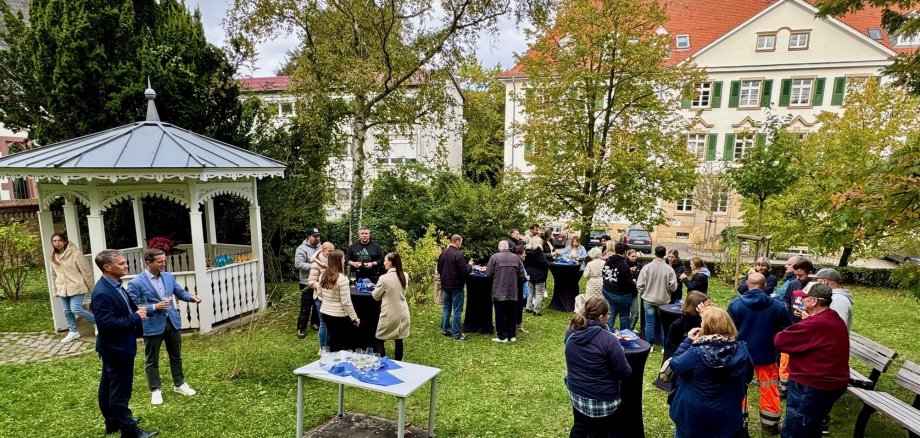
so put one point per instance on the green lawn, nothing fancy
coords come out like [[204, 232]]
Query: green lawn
[[246, 388]]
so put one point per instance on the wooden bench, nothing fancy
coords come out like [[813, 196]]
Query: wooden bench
[[886, 404], [877, 356]]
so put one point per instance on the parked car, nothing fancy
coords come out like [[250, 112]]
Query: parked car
[[638, 239], [558, 235], [594, 239]]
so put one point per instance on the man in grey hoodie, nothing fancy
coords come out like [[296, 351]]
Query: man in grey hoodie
[[655, 283], [303, 259], [842, 301]]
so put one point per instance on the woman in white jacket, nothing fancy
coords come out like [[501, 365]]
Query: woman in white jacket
[[394, 310], [72, 277], [337, 310]]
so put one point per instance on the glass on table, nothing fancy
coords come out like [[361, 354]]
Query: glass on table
[[324, 356]]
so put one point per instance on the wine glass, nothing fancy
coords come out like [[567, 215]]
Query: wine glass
[[375, 365], [323, 356]]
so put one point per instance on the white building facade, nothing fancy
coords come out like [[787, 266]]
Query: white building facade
[[762, 59], [434, 146]]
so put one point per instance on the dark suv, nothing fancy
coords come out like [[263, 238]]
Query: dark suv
[[638, 239]]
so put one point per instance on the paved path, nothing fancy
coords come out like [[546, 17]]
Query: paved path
[[31, 347]]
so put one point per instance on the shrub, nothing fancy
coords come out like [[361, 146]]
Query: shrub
[[420, 259], [907, 276], [17, 246]]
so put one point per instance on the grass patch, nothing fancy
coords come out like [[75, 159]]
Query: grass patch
[[246, 387]]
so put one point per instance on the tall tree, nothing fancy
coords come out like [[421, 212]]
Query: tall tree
[[712, 191], [388, 59], [855, 189], [80, 66], [602, 114], [484, 120], [899, 19]]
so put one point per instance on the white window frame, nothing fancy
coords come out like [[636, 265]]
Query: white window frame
[[799, 44], [685, 205], [801, 91], [908, 40], [400, 151], [753, 97], [683, 235], [703, 95], [696, 144], [852, 82], [763, 38], [744, 141], [721, 203], [685, 38]]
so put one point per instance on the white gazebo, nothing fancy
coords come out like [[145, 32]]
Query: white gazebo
[[156, 159]]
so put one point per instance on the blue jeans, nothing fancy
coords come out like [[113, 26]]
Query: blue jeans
[[73, 307], [806, 408], [453, 301], [619, 305], [651, 319], [322, 325]]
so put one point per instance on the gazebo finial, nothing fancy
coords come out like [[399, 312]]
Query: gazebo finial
[[152, 115]]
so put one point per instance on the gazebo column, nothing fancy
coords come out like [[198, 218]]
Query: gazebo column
[[202, 279], [211, 224], [95, 225], [45, 230], [139, 228], [72, 223], [255, 239]]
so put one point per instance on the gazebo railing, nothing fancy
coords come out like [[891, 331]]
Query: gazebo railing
[[235, 288], [188, 312]]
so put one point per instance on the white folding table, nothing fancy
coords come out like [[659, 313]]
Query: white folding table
[[412, 375]]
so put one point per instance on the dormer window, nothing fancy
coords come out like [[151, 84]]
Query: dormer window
[[798, 41], [875, 33], [683, 42], [908, 40], [766, 42]]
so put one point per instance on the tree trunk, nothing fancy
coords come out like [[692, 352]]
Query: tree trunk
[[587, 221], [759, 216], [845, 257], [358, 158]]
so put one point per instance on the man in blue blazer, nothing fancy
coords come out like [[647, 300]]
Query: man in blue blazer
[[119, 321], [154, 289]]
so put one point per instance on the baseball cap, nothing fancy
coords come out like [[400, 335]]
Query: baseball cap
[[314, 231], [820, 291], [827, 274]]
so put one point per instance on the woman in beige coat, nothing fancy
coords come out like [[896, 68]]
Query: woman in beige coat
[[317, 267], [594, 273], [72, 277], [394, 311]]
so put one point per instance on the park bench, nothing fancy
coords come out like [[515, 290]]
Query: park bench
[[890, 406], [877, 356]]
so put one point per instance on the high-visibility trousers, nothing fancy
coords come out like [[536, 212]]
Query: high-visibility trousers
[[766, 377]]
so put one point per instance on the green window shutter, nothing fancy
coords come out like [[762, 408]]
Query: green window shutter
[[528, 149], [734, 94], [711, 140], [840, 86], [784, 91], [761, 139], [716, 100], [728, 151], [818, 93], [765, 92], [684, 138], [685, 103]]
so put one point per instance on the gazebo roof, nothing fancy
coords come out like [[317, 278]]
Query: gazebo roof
[[144, 150]]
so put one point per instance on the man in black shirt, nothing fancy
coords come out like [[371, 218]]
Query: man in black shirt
[[453, 267], [365, 257]]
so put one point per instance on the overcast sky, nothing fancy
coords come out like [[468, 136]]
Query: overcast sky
[[492, 48]]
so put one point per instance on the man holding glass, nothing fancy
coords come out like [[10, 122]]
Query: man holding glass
[[153, 290]]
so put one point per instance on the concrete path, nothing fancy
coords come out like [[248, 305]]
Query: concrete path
[[360, 426], [31, 347]]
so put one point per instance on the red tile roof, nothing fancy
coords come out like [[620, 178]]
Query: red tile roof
[[271, 83], [708, 20]]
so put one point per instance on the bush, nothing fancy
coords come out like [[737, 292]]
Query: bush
[[420, 259], [17, 246], [907, 276]]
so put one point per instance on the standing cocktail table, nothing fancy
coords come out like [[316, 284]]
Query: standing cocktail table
[[412, 375]]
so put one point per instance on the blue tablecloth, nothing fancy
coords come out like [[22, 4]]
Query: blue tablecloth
[[383, 378]]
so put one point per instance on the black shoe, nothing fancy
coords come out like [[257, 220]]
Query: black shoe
[[771, 430], [536, 314], [529, 311], [461, 338], [301, 334], [141, 433], [446, 333], [113, 429]]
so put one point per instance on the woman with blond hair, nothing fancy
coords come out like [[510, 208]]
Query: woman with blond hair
[[72, 277], [317, 267], [711, 373], [594, 272], [596, 365], [339, 313]]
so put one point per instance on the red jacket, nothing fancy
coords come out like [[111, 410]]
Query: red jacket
[[819, 351]]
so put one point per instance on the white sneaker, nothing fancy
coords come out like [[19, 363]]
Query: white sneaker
[[156, 398], [503, 341], [70, 336], [513, 339], [185, 389]]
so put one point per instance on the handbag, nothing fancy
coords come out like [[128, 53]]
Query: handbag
[[438, 290], [665, 374]]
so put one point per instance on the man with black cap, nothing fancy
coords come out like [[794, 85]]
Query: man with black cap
[[842, 300], [819, 370], [303, 259]]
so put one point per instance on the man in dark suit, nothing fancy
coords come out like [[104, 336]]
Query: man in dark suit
[[154, 289], [119, 322]]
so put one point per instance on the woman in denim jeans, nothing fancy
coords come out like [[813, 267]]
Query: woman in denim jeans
[[72, 277]]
